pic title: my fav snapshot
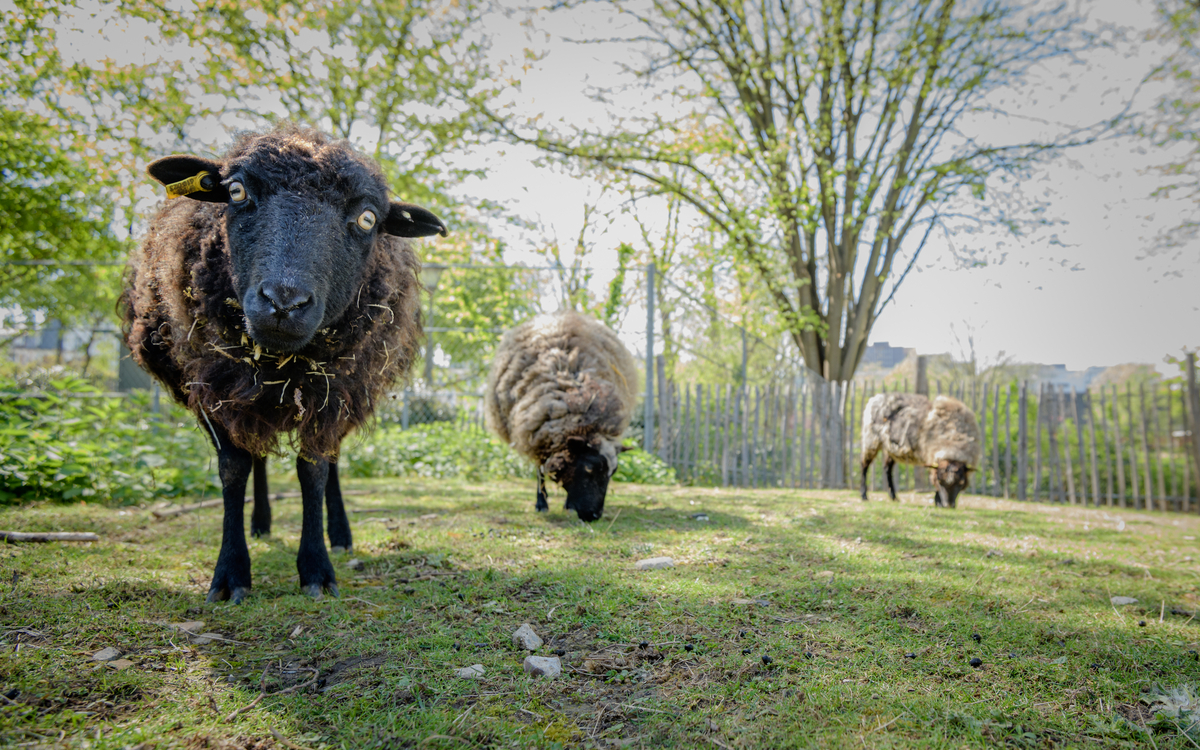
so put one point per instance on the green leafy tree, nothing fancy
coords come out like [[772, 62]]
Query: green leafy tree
[[1176, 117], [54, 224], [822, 138]]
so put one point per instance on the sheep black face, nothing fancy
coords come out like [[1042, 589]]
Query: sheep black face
[[584, 471], [949, 479], [297, 246]]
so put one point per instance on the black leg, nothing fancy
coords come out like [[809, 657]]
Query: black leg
[[312, 560], [339, 525], [260, 519], [888, 465], [542, 505], [866, 464], [231, 578]]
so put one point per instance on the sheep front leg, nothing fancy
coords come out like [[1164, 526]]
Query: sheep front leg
[[312, 560], [260, 519], [339, 525], [231, 577], [888, 465], [866, 465], [542, 506]]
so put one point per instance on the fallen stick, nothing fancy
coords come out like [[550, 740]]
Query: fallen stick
[[49, 536], [262, 690], [217, 502]]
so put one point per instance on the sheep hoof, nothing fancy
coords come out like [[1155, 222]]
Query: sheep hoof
[[260, 533], [223, 594], [314, 590]]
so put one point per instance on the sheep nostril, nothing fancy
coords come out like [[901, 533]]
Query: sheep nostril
[[285, 299]]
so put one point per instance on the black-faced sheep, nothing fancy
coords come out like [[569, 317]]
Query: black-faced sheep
[[561, 391], [278, 299], [942, 435]]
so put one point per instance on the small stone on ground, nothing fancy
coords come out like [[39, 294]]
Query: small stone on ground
[[543, 666], [355, 564], [655, 563], [473, 672], [120, 664], [204, 639], [824, 574], [1120, 601], [192, 626], [525, 638], [106, 654]]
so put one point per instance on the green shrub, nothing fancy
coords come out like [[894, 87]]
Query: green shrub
[[69, 442], [443, 449], [638, 466], [436, 450]]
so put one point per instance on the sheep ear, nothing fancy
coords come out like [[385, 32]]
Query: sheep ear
[[623, 448], [193, 176], [407, 220]]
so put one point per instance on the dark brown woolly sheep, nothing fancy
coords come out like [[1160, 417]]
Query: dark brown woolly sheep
[[942, 436], [279, 299], [561, 390]]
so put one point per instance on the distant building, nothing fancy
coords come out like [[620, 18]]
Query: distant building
[[883, 355]]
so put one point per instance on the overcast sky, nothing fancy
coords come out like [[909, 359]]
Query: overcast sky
[[1091, 290], [1087, 291]]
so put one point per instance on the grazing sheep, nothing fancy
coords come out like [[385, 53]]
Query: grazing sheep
[[279, 298], [561, 391], [941, 435]]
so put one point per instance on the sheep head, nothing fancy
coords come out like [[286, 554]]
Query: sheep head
[[302, 216], [949, 479], [584, 470]]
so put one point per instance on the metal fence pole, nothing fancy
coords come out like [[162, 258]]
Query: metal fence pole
[[648, 404]]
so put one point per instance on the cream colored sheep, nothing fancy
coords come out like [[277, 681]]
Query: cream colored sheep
[[561, 391], [941, 435]]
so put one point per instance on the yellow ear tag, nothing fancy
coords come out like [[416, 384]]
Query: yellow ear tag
[[187, 187]]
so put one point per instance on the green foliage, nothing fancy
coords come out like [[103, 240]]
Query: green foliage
[[639, 467], [1177, 113], [447, 449], [51, 209], [438, 450], [69, 442]]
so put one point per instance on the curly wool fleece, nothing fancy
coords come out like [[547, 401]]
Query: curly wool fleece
[[183, 324], [556, 377]]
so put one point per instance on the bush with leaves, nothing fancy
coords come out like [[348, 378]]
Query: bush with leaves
[[441, 449], [68, 442]]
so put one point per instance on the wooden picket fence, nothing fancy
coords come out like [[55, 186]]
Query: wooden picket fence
[[1127, 448]]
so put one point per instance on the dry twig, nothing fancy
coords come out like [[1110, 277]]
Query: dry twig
[[49, 536], [262, 690]]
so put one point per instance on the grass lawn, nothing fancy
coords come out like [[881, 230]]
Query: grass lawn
[[790, 619]]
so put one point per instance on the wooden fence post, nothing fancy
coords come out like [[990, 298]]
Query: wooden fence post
[[1149, 478], [1091, 417], [1037, 443], [1052, 462], [1022, 441], [1008, 462], [1133, 467], [1185, 427], [1194, 416], [1066, 438], [1118, 448]]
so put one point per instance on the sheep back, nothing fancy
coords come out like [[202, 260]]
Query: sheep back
[[912, 429], [559, 376], [183, 324]]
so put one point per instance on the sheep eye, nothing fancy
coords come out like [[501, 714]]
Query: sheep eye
[[366, 220], [237, 192]]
